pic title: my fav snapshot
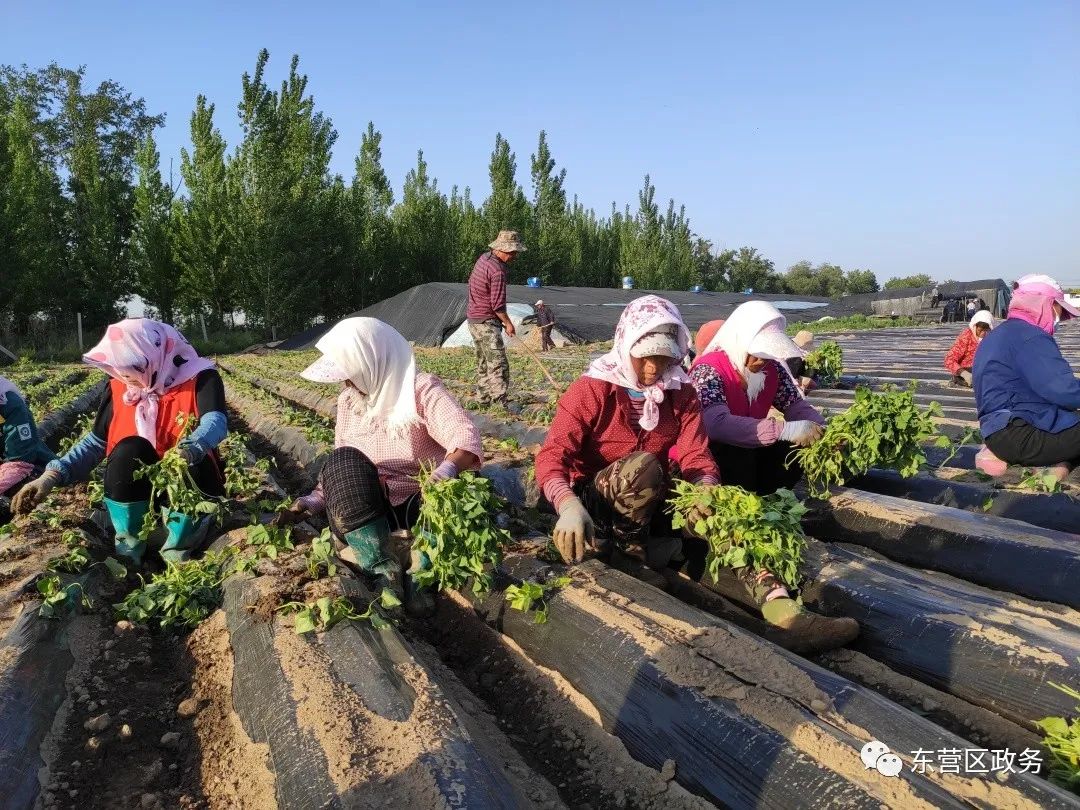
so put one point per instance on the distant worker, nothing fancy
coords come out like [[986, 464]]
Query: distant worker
[[797, 365], [935, 297], [1026, 394], [487, 317], [545, 320], [23, 454], [971, 308], [961, 357], [160, 389]]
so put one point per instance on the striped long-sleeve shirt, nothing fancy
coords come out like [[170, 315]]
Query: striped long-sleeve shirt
[[487, 289]]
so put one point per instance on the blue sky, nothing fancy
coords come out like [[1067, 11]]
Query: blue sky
[[902, 137]]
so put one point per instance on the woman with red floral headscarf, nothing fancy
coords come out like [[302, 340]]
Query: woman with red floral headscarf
[[159, 388]]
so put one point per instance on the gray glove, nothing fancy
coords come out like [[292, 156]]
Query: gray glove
[[965, 375], [573, 530], [34, 493], [801, 432]]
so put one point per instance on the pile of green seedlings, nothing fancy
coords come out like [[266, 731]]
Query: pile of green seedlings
[[826, 363]]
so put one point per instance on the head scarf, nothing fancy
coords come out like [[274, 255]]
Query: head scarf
[[982, 316], [7, 387], [379, 362], [644, 315], [1033, 302], [757, 328], [150, 358]]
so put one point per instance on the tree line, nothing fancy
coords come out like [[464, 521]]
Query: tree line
[[263, 227]]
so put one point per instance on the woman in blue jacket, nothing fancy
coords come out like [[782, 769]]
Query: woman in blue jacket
[[1025, 391], [23, 454]]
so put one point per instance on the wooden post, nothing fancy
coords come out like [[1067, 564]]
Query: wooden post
[[78, 315]]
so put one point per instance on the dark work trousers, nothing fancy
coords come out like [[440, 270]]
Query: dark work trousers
[[355, 496], [759, 470], [131, 454], [1020, 443]]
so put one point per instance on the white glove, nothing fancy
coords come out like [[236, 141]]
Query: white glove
[[801, 432], [34, 492], [965, 375], [573, 530]]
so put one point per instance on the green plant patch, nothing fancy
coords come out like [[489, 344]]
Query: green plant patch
[[883, 429], [826, 363], [322, 614], [528, 594], [744, 529], [1061, 737], [457, 532]]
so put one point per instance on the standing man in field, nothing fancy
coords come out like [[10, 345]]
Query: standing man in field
[[487, 316], [545, 320]]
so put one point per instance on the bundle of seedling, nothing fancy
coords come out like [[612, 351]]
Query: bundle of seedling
[[457, 533], [1062, 740], [744, 529], [826, 363], [883, 429]]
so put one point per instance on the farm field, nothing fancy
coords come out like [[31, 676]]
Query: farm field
[[197, 690]]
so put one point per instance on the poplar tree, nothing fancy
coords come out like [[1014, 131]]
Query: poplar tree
[[549, 237], [154, 267], [506, 207]]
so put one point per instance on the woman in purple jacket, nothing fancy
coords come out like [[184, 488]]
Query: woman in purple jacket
[[1025, 391], [740, 376]]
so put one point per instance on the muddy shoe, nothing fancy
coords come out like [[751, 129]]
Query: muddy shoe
[[419, 602], [808, 632], [621, 561]]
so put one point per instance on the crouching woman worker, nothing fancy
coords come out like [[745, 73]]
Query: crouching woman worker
[[961, 356], [604, 467], [23, 454], [392, 422], [739, 376], [159, 388], [1025, 392]]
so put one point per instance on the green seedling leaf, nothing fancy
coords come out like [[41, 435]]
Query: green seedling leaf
[[117, 570], [388, 599]]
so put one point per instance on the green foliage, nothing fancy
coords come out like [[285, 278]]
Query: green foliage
[[849, 323], [242, 480], [322, 614], [57, 599], [184, 593], [826, 362], [172, 485], [764, 533], [904, 282], [1040, 481], [456, 531], [1062, 740], [885, 429], [522, 597], [319, 556], [270, 540]]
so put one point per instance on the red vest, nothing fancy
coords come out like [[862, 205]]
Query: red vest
[[734, 389], [179, 401]]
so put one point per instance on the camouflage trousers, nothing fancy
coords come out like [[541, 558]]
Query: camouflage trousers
[[626, 502], [493, 377]]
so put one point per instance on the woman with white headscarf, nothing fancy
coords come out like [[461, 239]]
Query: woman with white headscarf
[[961, 357], [392, 422], [739, 377], [1026, 393], [159, 388]]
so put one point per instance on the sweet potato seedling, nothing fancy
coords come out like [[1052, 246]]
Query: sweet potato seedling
[[322, 614], [1062, 740], [826, 363], [522, 597]]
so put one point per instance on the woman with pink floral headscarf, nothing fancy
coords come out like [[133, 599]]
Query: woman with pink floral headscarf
[[1026, 393], [159, 388]]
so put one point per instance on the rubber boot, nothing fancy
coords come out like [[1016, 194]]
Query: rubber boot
[[371, 545], [127, 520], [419, 602], [808, 632], [185, 535]]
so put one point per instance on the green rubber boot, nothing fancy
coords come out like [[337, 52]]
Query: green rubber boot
[[185, 535], [127, 520], [371, 544]]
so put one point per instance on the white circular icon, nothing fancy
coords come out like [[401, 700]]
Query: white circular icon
[[889, 765], [871, 751]]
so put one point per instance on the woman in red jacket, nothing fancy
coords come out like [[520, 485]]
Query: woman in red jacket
[[961, 356], [604, 466]]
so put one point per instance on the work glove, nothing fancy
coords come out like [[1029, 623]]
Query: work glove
[[447, 469], [801, 432], [696, 515], [965, 375], [34, 492], [189, 453], [296, 513], [573, 530]]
